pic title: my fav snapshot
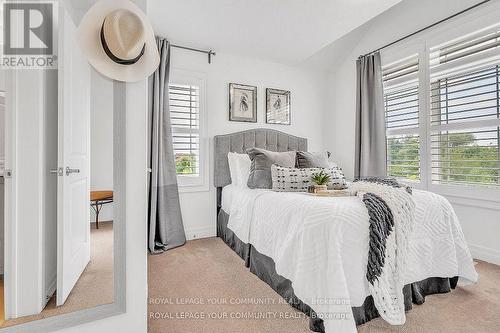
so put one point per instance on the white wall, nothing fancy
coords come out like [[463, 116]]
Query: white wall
[[101, 137], [308, 97], [480, 220]]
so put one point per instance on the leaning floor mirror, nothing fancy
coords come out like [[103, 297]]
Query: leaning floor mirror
[[62, 183]]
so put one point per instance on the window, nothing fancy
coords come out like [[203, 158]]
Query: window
[[455, 87], [184, 116], [466, 156], [401, 103], [465, 110], [186, 94]]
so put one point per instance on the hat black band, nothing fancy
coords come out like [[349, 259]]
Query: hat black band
[[115, 58]]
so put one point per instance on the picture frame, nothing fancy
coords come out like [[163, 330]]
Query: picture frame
[[278, 106], [242, 103]]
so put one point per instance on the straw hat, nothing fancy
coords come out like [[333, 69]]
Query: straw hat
[[118, 41]]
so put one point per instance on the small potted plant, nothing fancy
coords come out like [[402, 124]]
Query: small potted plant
[[320, 180]]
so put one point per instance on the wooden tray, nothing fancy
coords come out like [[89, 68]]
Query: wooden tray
[[332, 193]]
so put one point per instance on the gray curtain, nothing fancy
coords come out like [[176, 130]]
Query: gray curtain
[[166, 230], [371, 149]]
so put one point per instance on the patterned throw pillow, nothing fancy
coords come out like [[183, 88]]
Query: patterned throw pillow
[[298, 180]]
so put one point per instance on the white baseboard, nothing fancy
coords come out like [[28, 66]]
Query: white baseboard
[[101, 222], [105, 215], [484, 253], [203, 232]]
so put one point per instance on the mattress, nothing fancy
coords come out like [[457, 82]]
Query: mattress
[[321, 244]]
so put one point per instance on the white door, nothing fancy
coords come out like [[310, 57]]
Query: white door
[[73, 188]]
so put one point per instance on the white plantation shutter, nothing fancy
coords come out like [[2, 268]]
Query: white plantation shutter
[[185, 120], [401, 103], [465, 110], [478, 47]]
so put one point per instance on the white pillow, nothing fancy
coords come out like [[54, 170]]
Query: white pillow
[[243, 165], [233, 169], [331, 161], [239, 168]]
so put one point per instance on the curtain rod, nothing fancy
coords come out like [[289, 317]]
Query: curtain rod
[[210, 53], [427, 27]]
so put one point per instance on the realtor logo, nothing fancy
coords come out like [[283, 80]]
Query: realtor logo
[[29, 34]]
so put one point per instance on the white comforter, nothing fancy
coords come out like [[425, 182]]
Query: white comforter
[[321, 245]]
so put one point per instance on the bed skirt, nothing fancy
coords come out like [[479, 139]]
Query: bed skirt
[[264, 267]]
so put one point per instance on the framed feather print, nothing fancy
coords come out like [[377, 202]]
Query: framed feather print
[[278, 106], [242, 103]]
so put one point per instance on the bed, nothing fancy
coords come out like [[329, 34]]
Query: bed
[[313, 251]]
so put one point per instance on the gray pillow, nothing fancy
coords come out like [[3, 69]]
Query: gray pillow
[[262, 160], [312, 160]]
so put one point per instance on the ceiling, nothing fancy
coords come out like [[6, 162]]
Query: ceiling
[[286, 31]]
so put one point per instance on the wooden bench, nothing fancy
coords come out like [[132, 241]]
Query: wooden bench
[[97, 200]]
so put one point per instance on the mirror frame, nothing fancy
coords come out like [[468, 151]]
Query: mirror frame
[[118, 306]]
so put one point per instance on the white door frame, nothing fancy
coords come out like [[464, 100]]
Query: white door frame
[[24, 282]]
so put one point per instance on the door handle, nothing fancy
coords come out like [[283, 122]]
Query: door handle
[[58, 171], [70, 171]]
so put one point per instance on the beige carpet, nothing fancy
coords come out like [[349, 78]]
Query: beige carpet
[[206, 271], [95, 286]]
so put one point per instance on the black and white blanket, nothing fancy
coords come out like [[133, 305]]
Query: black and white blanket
[[391, 209]]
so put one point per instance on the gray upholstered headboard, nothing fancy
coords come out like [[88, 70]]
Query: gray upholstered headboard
[[239, 142]]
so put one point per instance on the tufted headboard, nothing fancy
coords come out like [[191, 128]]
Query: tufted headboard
[[239, 142]]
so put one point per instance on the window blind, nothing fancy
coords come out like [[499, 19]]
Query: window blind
[[406, 68], [466, 157], [403, 156], [466, 96], [185, 121], [465, 110], [401, 106], [401, 103], [478, 44]]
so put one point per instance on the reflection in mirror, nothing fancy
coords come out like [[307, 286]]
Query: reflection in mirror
[[56, 187]]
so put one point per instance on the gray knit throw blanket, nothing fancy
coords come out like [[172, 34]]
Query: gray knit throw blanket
[[391, 212]]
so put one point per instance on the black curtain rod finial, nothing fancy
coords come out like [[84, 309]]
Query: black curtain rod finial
[[210, 54]]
